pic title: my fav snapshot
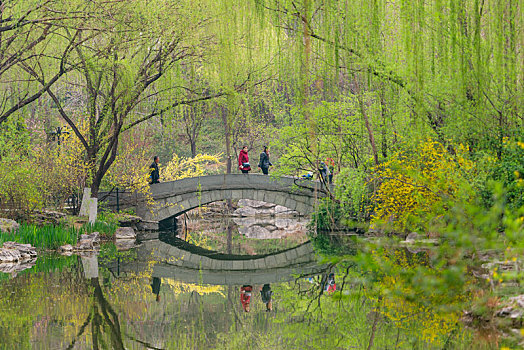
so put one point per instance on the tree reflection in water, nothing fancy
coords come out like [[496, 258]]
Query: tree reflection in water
[[97, 310]]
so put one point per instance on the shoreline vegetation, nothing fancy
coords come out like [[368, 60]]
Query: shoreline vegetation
[[51, 237]]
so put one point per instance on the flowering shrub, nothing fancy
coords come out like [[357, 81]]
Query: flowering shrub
[[181, 167], [418, 185]]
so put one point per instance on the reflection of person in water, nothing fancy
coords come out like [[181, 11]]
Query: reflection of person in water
[[330, 285], [155, 286], [245, 297], [265, 294]]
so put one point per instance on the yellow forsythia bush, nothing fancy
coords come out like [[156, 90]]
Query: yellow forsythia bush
[[416, 186]]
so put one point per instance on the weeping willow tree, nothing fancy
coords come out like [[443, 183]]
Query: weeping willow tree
[[448, 69]]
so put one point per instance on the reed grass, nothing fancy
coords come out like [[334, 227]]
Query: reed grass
[[104, 228], [47, 237]]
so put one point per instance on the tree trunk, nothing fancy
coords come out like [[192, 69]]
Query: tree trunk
[[366, 121], [375, 322], [227, 135], [193, 147]]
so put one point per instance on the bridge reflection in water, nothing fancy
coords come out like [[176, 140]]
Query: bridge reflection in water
[[171, 257]]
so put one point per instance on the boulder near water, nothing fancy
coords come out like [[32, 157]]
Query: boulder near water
[[125, 233], [88, 241], [8, 225], [17, 252]]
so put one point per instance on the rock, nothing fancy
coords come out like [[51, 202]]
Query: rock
[[500, 265], [283, 223], [519, 300], [147, 225], [124, 244], [257, 232], [26, 250], [125, 233], [94, 237], [45, 217], [245, 211], [126, 220], [513, 309], [13, 252], [281, 210], [66, 248], [15, 268], [246, 221], [88, 241], [254, 204], [9, 255], [8, 225], [510, 312], [412, 237]]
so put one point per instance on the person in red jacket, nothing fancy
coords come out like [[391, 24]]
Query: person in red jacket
[[245, 296], [243, 161]]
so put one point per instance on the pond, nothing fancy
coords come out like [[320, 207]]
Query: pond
[[221, 283]]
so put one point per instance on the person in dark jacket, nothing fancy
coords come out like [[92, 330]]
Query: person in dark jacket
[[154, 173], [243, 161], [266, 293], [331, 167], [264, 162], [324, 172], [155, 286]]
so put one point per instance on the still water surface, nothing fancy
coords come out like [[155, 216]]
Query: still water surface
[[220, 285]]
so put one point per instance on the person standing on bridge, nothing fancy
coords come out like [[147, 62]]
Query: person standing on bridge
[[154, 173], [243, 161], [331, 168], [245, 296], [266, 293], [264, 162]]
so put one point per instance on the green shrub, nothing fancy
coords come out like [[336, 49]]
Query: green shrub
[[510, 172], [352, 192]]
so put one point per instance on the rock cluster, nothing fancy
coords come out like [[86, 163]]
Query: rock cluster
[[136, 223], [127, 233], [46, 217], [87, 242], [125, 238], [13, 252], [249, 207], [8, 225], [270, 228], [16, 257]]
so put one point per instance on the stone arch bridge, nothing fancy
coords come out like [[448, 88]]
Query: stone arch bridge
[[176, 197], [175, 258]]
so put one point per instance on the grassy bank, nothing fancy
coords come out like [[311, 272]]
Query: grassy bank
[[52, 237], [46, 237]]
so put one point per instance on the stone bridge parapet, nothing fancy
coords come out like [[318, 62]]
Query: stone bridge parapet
[[176, 197]]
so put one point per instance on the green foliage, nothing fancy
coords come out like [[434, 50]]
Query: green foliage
[[106, 229], [334, 244], [509, 171], [327, 216], [47, 237], [352, 192]]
